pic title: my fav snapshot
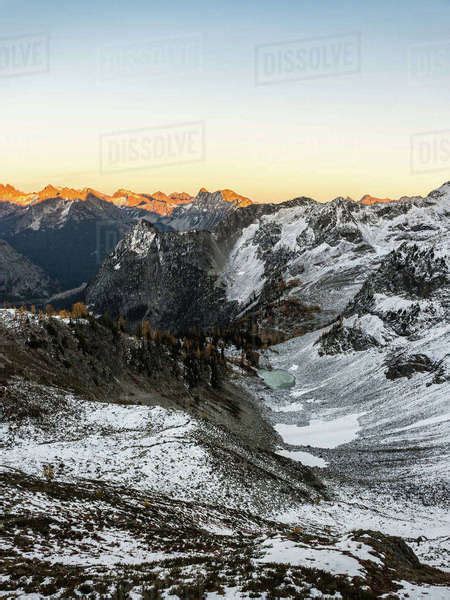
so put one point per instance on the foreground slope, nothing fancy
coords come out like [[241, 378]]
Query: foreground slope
[[173, 398], [124, 476]]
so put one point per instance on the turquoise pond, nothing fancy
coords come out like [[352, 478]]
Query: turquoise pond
[[277, 379]]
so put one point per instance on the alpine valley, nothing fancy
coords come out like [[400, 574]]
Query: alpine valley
[[207, 397]]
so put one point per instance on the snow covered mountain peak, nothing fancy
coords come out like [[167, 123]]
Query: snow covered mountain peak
[[441, 192], [138, 240]]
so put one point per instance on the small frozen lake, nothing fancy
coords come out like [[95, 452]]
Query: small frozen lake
[[320, 433], [277, 379]]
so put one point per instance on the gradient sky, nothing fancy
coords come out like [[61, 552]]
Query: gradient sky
[[339, 134]]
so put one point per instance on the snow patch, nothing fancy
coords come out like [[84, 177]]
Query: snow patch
[[140, 239], [293, 407], [281, 551], [306, 458], [244, 272], [370, 325], [320, 433], [422, 592]]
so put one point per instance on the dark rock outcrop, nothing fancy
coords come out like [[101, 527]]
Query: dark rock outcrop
[[340, 339], [409, 365], [169, 279], [413, 271]]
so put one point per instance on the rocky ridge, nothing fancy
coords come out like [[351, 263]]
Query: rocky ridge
[[285, 268]]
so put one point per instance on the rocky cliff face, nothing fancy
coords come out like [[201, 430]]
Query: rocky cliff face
[[408, 294], [411, 272], [150, 265], [169, 279]]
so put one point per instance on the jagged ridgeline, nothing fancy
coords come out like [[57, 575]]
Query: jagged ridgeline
[[274, 271], [67, 233], [407, 293]]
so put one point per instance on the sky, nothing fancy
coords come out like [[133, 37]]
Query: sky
[[274, 99]]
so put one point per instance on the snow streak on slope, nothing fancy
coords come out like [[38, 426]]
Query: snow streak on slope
[[244, 270]]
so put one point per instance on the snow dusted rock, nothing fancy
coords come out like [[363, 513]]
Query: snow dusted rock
[[410, 271], [288, 268], [353, 334], [20, 279], [407, 293], [442, 192], [206, 210], [166, 278], [321, 254], [406, 366]]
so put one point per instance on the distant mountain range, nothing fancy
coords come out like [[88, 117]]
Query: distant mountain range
[[156, 202], [67, 239], [66, 234]]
